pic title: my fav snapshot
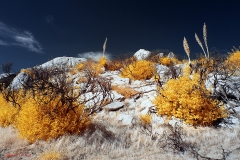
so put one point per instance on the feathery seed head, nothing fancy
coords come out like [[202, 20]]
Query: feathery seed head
[[104, 46], [186, 47], [205, 33], [198, 40], [200, 44], [205, 37]]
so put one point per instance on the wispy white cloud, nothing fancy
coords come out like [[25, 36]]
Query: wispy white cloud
[[94, 55], [12, 36], [3, 43]]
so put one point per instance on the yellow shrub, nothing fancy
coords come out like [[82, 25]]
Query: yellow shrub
[[207, 64], [188, 100], [81, 65], [233, 60], [7, 112], [165, 61], [102, 61], [95, 68], [40, 121], [91, 66], [139, 70], [187, 70], [127, 92], [168, 61], [145, 119]]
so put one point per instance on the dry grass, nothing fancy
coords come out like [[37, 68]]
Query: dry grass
[[114, 65], [51, 155], [107, 139], [127, 92]]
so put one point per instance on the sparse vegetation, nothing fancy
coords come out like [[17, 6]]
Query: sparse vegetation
[[233, 61], [114, 65], [7, 67], [95, 67], [58, 112]]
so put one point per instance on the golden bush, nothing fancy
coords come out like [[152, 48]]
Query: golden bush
[[95, 68], [187, 70], [165, 61], [206, 63], [233, 61], [188, 100], [43, 121], [145, 119], [7, 112], [102, 61], [91, 66], [81, 65], [168, 61], [127, 92], [139, 70]]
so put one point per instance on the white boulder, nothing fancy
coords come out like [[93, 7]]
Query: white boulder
[[142, 54]]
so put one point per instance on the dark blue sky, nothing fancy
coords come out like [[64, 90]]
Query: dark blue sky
[[34, 31]]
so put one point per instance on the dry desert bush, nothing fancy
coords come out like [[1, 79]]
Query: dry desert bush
[[127, 92], [168, 61], [95, 67], [233, 61]]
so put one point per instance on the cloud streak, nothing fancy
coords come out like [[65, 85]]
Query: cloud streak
[[94, 55], [12, 37], [3, 43]]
